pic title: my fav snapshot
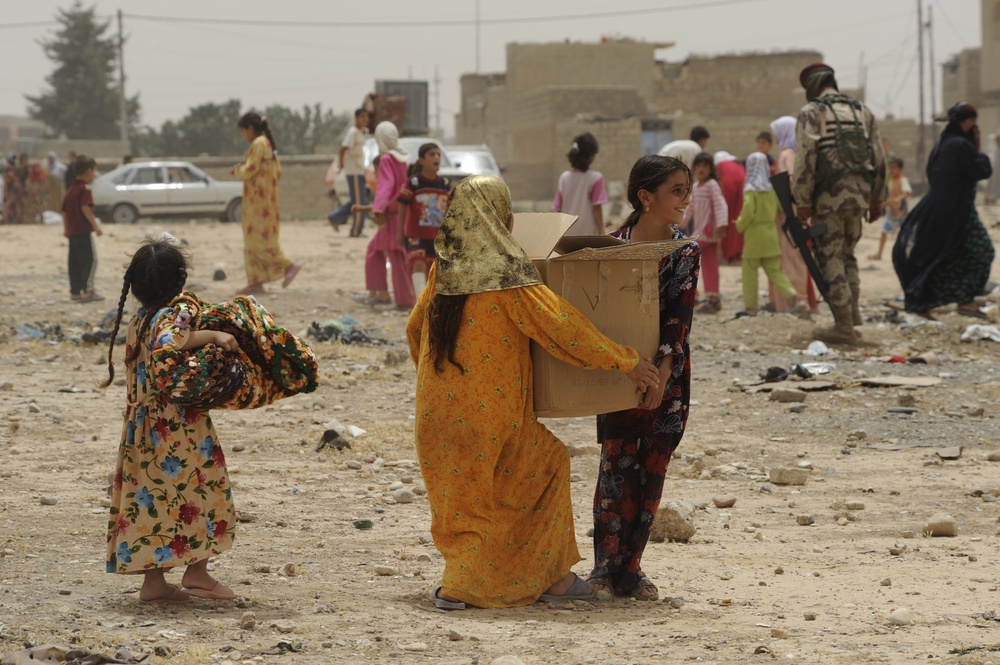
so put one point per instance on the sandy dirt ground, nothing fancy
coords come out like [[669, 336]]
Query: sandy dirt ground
[[752, 585]]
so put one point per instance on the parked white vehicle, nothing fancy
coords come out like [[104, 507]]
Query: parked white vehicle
[[165, 189], [475, 159]]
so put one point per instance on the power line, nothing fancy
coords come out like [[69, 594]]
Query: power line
[[441, 23], [29, 24]]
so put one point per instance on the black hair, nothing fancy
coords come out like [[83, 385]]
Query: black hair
[[705, 158], [359, 111], [583, 150], [648, 173], [425, 148], [444, 318], [766, 136], [698, 133], [82, 164], [897, 161], [259, 125], [156, 275]]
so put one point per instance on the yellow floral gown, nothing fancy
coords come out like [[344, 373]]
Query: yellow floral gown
[[497, 479], [262, 256], [171, 503]]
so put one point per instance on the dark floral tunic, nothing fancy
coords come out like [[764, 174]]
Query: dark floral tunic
[[637, 444]]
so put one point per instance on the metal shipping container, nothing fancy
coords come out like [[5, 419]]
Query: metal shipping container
[[416, 94]]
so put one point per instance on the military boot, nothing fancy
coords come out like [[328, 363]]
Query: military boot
[[842, 331]]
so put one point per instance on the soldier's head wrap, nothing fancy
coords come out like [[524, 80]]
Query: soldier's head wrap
[[475, 251], [817, 77]]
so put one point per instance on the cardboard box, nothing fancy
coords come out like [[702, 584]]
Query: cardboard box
[[616, 286]]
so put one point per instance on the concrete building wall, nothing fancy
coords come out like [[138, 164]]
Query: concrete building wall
[[960, 79], [989, 77]]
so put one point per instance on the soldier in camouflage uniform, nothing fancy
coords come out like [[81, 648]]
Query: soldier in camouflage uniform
[[839, 176]]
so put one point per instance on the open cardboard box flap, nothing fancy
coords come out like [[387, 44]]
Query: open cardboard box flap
[[541, 236]]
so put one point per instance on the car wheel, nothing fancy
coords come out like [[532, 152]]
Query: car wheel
[[234, 211], [124, 213]]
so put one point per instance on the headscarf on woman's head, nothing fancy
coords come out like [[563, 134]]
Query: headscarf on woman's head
[[723, 156], [784, 132], [758, 173], [56, 168], [475, 251], [387, 138], [816, 78], [956, 115]]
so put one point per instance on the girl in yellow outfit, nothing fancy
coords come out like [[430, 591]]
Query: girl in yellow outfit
[[262, 256], [497, 479]]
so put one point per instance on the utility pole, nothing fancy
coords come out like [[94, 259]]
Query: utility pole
[[933, 66], [122, 109], [920, 60], [437, 102], [477, 36]]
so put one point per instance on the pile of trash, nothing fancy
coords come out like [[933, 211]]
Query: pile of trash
[[346, 329], [78, 331]]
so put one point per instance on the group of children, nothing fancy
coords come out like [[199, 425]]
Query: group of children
[[715, 221]]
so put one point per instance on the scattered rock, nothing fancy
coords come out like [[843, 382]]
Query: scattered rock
[[941, 525], [675, 603], [424, 558], [952, 452], [994, 456], [239, 447], [248, 621], [403, 495], [885, 582], [787, 395], [779, 634], [8, 386], [779, 571], [507, 660], [854, 505], [385, 571], [584, 450], [34, 408], [843, 521], [674, 522], [396, 485], [809, 616], [906, 399], [352, 464], [417, 647], [219, 275], [986, 490], [727, 501], [285, 626], [977, 412], [455, 636], [48, 500], [797, 408], [805, 520], [289, 570], [902, 617], [788, 476]]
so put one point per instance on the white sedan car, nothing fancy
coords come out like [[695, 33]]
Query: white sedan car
[[165, 189]]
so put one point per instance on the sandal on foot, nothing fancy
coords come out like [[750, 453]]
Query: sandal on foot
[[443, 604], [290, 274], [218, 592], [176, 597], [580, 590], [644, 590], [974, 312], [602, 587]]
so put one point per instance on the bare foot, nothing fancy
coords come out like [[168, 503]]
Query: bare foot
[[198, 582], [875, 257], [562, 586], [155, 589], [251, 289], [290, 274]]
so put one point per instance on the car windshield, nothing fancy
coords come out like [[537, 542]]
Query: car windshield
[[412, 145], [475, 162], [117, 177]]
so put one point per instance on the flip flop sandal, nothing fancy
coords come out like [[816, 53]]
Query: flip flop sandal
[[443, 604], [214, 593], [602, 587], [644, 590], [974, 313], [172, 599], [580, 590]]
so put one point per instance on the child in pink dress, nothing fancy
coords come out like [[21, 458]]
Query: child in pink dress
[[707, 219]]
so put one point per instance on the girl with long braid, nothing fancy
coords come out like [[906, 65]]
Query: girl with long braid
[[171, 502]]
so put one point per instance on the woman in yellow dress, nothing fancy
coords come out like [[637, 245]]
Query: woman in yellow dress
[[262, 255], [497, 479]]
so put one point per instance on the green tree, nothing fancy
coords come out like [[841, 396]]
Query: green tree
[[82, 102], [307, 131]]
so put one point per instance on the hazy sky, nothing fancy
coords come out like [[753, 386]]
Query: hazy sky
[[174, 66]]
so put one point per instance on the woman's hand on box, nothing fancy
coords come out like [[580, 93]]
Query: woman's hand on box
[[644, 374], [653, 397]]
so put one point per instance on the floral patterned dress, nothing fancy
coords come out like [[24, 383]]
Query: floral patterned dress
[[637, 444], [262, 256], [497, 479], [171, 504]]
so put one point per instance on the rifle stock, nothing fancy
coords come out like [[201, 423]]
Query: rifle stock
[[799, 234]]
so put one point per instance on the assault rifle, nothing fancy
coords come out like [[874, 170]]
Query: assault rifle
[[798, 233]]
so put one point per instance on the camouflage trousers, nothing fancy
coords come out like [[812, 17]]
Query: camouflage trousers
[[835, 256]]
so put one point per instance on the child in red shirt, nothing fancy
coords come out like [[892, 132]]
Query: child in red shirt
[[423, 201], [78, 223]]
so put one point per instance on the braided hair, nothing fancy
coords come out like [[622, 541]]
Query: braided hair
[[649, 173], [259, 124], [155, 276], [582, 151]]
